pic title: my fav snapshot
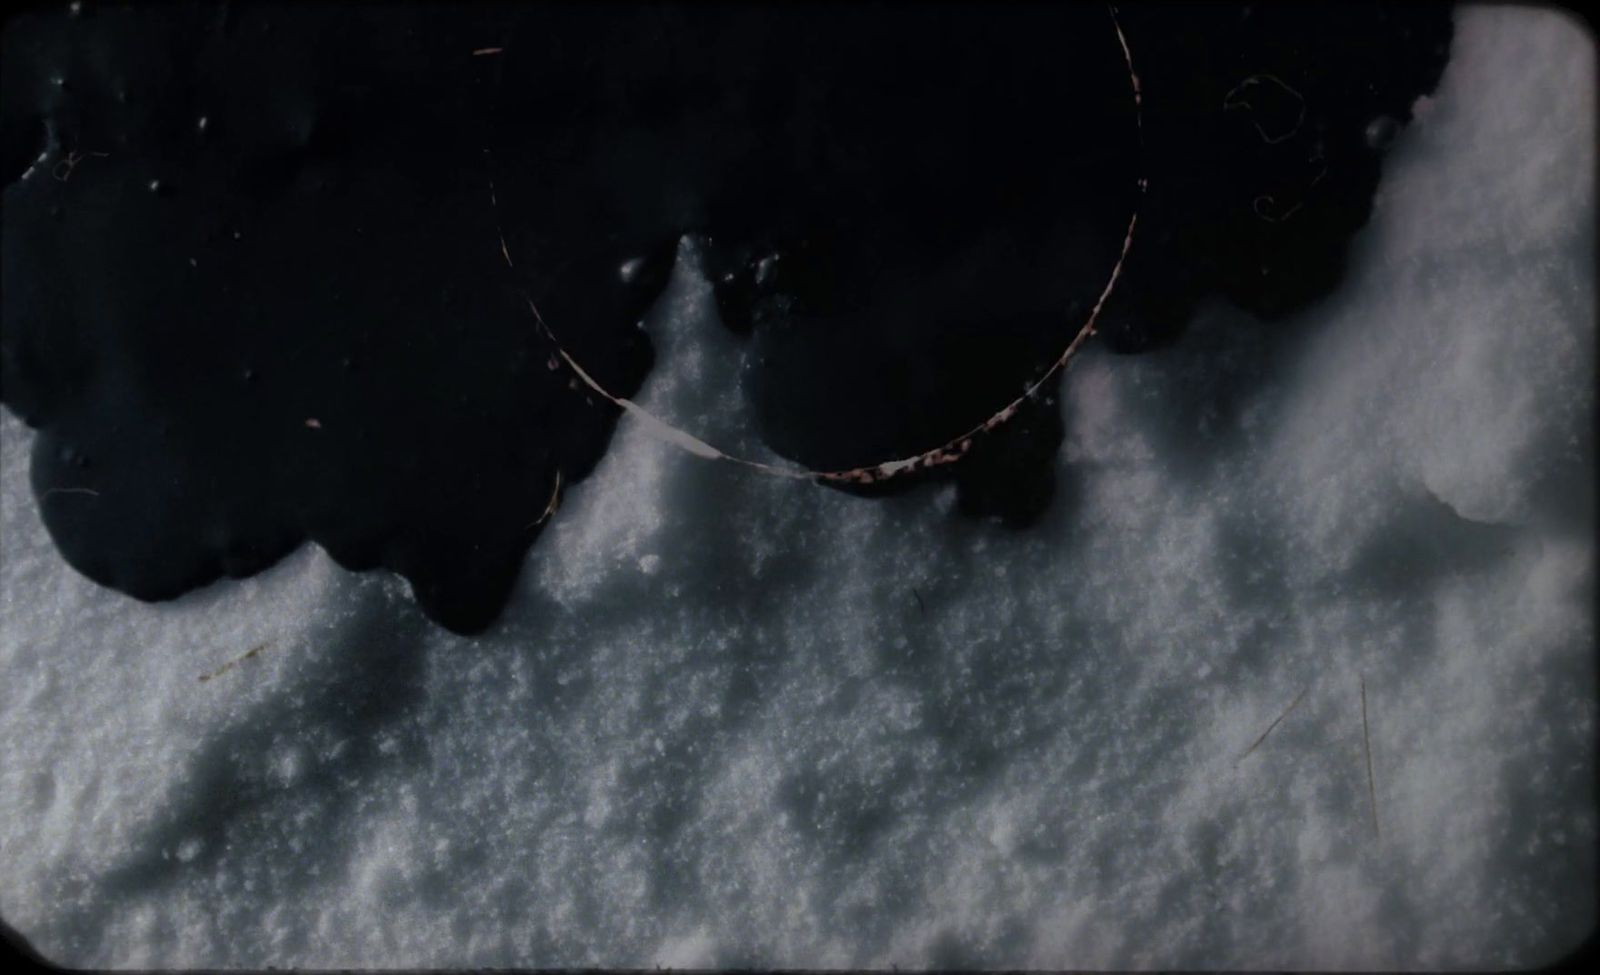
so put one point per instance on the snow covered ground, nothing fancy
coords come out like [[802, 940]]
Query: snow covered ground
[[734, 720]]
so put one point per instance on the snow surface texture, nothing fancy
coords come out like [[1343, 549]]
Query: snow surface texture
[[736, 720]]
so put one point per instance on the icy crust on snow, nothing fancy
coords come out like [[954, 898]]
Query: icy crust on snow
[[736, 720]]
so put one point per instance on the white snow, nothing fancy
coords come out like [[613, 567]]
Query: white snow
[[741, 720]]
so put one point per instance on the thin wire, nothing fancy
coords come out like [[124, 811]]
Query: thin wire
[[946, 453]]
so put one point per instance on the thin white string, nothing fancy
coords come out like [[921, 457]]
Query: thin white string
[[949, 451]]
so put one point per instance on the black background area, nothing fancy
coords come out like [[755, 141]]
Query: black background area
[[253, 288]]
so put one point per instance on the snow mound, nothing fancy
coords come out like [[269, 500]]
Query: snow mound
[[732, 720]]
